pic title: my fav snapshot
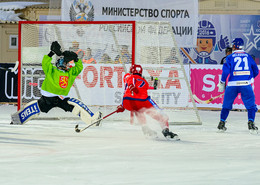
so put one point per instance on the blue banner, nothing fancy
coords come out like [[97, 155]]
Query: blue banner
[[216, 32]]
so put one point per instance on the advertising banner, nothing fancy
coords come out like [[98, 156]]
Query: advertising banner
[[8, 84], [103, 85], [204, 80], [216, 33], [182, 14]]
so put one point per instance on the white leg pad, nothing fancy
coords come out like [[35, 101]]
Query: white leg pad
[[76, 111], [30, 111], [84, 115], [82, 110]]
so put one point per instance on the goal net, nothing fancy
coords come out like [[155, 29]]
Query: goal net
[[107, 49]]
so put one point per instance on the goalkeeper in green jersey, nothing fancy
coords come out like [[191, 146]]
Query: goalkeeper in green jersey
[[55, 89]]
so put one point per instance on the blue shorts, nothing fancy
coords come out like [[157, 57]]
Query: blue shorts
[[247, 95]]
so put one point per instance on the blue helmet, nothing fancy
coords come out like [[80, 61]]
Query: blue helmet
[[238, 43]]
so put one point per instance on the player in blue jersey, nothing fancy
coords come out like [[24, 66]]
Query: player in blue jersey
[[241, 69]]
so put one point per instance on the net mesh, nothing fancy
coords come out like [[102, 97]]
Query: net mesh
[[107, 50], [158, 53]]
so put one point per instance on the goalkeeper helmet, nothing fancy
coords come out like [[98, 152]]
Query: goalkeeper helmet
[[136, 69], [238, 43], [61, 64]]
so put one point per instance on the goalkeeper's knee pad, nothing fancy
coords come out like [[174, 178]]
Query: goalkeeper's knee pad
[[30, 111]]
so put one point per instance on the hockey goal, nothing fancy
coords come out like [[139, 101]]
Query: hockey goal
[[107, 49]]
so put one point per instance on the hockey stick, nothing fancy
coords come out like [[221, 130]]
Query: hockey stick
[[80, 130], [206, 101], [187, 55], [11, 70]]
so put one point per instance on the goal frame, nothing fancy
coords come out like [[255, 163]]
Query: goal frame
[[133, 52], [64, 22]]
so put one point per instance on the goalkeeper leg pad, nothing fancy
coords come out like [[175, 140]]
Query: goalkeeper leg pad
[[82, 110], [30, 111]]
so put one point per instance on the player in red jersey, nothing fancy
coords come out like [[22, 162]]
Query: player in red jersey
[[136, 99]]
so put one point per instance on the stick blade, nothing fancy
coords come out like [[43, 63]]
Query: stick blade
[[77, 128]]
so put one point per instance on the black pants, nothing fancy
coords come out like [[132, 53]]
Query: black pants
[[47, 103]]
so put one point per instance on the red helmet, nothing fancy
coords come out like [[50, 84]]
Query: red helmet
[[136, 69]]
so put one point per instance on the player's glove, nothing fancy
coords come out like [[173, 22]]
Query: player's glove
[[69, 56], [133, 88], [221, 86], [120, 108], [56, 48], [155, 83]]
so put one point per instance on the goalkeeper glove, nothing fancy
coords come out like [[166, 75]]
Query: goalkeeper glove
[[120, 108], [69, 56], [221, 86], [56, 48]]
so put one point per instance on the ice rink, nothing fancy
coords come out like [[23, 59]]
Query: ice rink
[[117, 153]]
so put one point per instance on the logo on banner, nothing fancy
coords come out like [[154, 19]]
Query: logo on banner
[[252, 38], [63, 81], [207, 42], [81, 11]]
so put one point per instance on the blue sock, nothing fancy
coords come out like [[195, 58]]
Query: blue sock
[[224, 114], [251, 114]]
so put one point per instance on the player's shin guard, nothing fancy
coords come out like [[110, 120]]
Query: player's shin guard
[[30, 111], [82, 110]]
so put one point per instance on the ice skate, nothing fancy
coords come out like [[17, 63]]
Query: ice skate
[[170, 135], [149, 132], [221, 126], [97, 116], [252, 128], [15, 120]]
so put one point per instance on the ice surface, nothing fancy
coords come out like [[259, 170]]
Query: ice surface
[[117, 153]]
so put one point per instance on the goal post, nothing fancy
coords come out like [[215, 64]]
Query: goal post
[[159, 54], [107, 49]]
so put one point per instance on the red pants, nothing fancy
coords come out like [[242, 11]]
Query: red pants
[[147, 106]]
